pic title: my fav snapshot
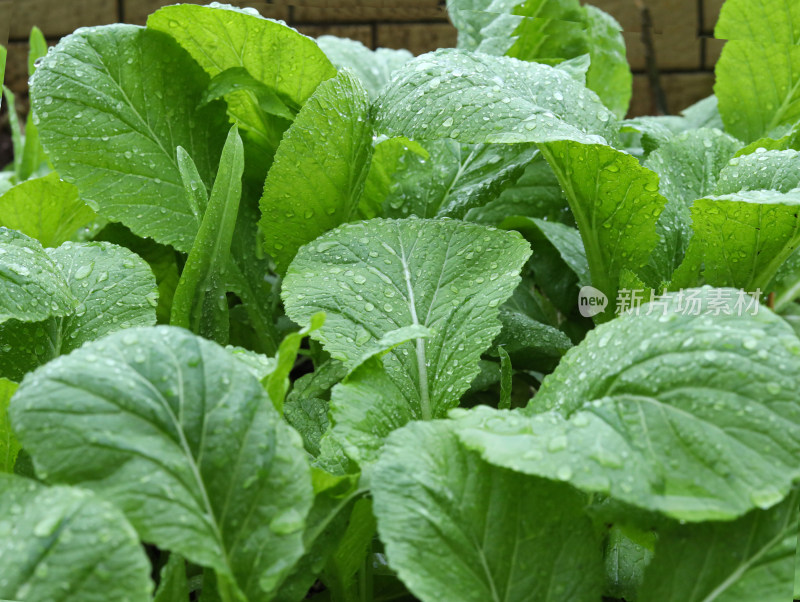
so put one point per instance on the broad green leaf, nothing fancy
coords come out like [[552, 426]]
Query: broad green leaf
[[113, 288], [457, 529], [66, 545], [173, 586], [274, 54], [221, 37], [677, 410], [768, 21], [163, 261], [200, 302], [628, 552], [748, 559], [238, 78], [47, 209], [376, 277], [9, 446], [477, 98], [757, 74], [688, 166], [616, 205], [449, 180], [469, 17], [741, 239], [319, 170], [769, 170], [179, 435], [278, 381], [32, 288], [139, 91], [373, 67]]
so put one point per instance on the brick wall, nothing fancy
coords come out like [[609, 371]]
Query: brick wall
[[685, 51]]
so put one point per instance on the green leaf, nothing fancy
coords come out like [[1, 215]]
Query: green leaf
[[536, 193], [274, 54], [379, 276], [319, 170], [278, 381], [373, 67], [680, 411], [767, 170], [173, 586], [3, 55], [748, 559], [477, 98], [448, 180], [17, 143], [757, 83], [628, 552], [525, 339], [179, 435], [609, 74], [688, 166], [113, 288], [139, 90], [67, 546], [47, 209], [388, 159], [457, 529], [32, 288], [616, 205], [37, 48], [328, 522], [200, 302], [341, 573], [238, 78], [163, 261], [221, 37], [506, 374], [769, 21], [741, 239], [9, 446]]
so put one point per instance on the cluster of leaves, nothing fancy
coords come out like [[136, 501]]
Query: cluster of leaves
[[188, 194]]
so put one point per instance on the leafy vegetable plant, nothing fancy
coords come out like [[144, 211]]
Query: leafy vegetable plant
[[286, 319]]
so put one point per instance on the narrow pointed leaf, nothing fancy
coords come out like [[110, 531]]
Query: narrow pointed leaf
[[9, 446], [200, 303]]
